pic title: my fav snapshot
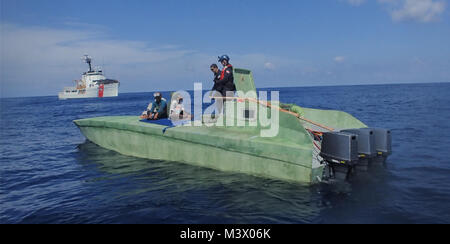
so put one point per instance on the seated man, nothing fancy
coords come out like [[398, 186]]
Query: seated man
[[158, 109], [177, 110]]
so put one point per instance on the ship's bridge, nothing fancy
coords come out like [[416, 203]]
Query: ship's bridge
[[93, 73], [92, 76]]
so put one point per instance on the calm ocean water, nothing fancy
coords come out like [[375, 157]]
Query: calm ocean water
[[51, 174]]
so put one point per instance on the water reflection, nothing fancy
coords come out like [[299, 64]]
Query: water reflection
[[172, 192], [190, 194]]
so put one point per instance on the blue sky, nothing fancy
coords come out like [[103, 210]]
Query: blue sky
[[169, 45]]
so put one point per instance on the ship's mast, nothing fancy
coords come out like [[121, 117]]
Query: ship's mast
[[88, 60]]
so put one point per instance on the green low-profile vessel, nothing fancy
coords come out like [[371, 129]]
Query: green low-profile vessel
[[292, 154]]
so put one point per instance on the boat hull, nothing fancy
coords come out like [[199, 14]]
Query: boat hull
[[128, 136], [109, 90], [168, 149]]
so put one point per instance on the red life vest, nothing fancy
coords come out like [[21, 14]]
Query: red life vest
[[223, 70]]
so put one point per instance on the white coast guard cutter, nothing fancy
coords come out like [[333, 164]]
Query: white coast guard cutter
[[92, 84]]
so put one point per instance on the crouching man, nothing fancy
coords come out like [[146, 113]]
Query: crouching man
[[158, 109]]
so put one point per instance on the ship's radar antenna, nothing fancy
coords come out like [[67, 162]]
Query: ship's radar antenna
[[88, 60]]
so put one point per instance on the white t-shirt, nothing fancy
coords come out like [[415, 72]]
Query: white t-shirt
[[176, 108]]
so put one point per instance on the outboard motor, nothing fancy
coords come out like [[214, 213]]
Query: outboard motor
[[366, 146], [340, 151], [383, 143]]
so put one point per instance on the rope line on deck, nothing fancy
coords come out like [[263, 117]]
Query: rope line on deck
[[277, 107]]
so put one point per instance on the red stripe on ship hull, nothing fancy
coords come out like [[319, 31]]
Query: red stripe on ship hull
[[100, 90]]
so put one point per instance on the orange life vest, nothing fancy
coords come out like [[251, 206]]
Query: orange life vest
[[223, 70]]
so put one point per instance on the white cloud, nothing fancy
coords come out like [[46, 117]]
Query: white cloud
[[260, 61], [41, 61], [339, 59], [418, 10], [269, 66]]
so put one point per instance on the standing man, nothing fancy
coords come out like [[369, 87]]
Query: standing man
[[226, 79], [217, 73], [217, 91]]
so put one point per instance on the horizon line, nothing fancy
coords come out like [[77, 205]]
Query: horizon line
[[268, 87]]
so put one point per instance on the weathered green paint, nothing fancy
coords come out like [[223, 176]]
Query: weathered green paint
[[243, 79], [201, 146], [333, 118]]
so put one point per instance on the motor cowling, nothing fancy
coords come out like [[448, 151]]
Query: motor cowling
[[366, 141], [340, 152], [383, 141], [339, 147]]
